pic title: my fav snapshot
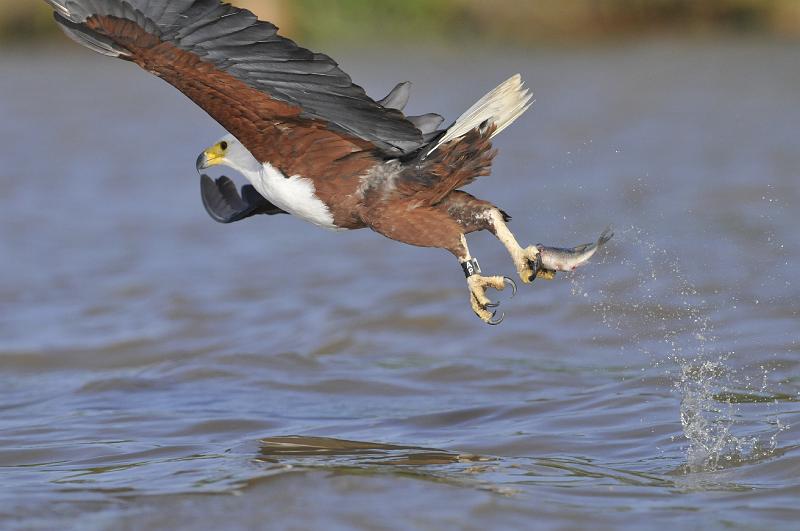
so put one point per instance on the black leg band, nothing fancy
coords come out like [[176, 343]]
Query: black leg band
[[471, 267]]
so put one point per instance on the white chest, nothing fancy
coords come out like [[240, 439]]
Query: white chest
[[296, 195]]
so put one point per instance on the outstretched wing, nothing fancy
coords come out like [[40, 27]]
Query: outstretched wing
[[256, 84], [224, 204]]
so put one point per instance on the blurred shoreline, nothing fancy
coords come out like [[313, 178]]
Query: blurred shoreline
[[464, 21]]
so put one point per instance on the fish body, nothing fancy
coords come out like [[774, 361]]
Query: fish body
[[559, 259]]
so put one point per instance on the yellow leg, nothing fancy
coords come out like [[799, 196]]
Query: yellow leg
[[482, 305], [525, 259]]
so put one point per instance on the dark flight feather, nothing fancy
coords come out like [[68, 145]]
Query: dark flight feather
[[236, 43], [398, 97]]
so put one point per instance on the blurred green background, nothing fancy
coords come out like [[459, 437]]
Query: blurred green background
[[516, 21]]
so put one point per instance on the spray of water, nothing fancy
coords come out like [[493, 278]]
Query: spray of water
[[681, 338]]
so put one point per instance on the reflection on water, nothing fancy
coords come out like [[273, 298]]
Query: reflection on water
[[334, 451], [149, 355], [500, 474]]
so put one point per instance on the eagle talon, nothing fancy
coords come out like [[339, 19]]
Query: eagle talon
[[494, 322], [534, 265], [510, 282], [482, 305], [529, 263]]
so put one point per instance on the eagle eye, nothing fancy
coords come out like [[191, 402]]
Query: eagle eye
[[223, 145]]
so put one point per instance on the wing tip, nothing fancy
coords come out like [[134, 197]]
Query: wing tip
[[87, 38], [59, 8]]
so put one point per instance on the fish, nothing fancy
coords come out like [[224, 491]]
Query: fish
[[555, 259]]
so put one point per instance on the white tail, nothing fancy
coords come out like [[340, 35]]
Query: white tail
[[500, 107]]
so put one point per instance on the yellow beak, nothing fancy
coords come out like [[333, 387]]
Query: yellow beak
[[210, 157]]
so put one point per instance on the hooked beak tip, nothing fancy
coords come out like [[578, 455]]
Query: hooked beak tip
[[202, 162]]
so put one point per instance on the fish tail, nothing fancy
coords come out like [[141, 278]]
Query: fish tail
[[605, 237]]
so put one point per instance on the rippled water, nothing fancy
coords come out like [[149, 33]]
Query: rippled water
[[159, 370]]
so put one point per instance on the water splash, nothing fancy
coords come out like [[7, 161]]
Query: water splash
[[711, 399], [680, 337], [706, 423]]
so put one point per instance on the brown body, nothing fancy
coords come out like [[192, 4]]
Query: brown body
[[408, 203], [421, 205]]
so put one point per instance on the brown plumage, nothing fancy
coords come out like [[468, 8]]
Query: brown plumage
[[421, 205], [453, 165], [311, 142]]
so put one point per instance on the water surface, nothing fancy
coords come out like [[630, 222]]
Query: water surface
[[160, 370]]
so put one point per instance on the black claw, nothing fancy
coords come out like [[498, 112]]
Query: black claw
[[513, 286], [492, 321], [492, 305], [536, 266]]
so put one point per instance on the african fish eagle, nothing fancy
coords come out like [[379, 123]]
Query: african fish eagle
[[310, 141]]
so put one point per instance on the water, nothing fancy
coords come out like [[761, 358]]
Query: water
[[159, 370]]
